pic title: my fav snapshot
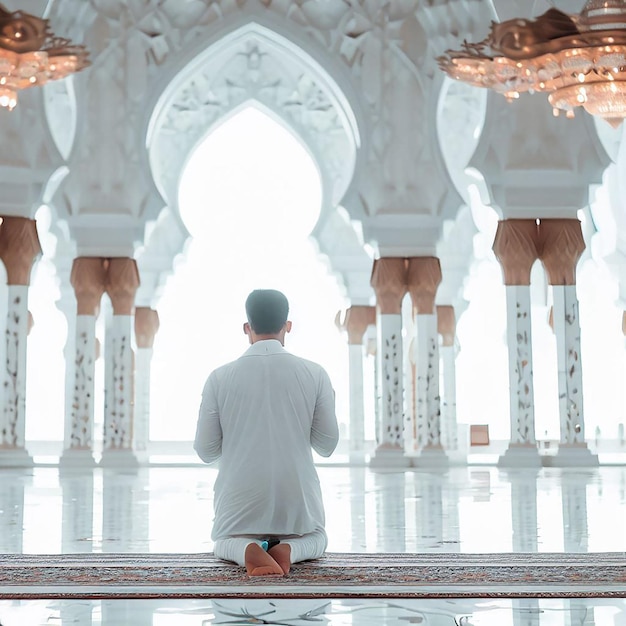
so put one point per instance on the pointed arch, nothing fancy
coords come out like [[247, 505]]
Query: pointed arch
[[239, 65], [255, 63]]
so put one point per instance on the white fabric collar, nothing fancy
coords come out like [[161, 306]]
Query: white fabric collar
[[265, 346]]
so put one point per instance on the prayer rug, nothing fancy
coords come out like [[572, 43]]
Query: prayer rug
[[361, 575]]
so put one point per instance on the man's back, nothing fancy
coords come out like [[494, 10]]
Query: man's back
[[263, 412]]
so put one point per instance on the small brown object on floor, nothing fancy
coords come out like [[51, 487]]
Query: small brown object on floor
[[260, 563]]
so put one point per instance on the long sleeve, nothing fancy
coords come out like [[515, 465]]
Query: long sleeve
[[324, 429], [208, 442]]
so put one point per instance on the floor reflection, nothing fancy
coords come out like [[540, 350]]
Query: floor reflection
[[306, 612], [170, 510]]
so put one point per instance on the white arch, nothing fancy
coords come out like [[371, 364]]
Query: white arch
[[250, 65]]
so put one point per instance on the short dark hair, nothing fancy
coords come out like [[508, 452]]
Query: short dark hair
[[267, 311]]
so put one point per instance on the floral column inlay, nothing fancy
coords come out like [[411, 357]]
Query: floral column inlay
[[446, 327], [423, 278], [19, 248], [121, 285], [357, 319], [562, 244], [389, 283], [88, 279], [146, 327], [515, 247]]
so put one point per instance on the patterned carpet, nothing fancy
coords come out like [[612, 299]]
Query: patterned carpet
[[334, 576]]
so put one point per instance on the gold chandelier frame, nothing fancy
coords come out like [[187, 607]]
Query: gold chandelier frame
[[577, 60], [31, 54]]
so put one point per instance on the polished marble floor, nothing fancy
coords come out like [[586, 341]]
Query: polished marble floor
[[162, 509], [469, 509], [528, 612]]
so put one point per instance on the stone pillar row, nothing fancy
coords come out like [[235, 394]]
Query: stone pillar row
[[88, 278], [118, 438], [423, 278], [419, 434], [91, 278], [19, 249], [389, 283], [558, 243]]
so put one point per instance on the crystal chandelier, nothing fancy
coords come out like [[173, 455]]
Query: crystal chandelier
[[30, 54], [579, 60]]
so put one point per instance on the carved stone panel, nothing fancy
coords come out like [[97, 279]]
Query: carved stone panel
[[122, 281], [446, 324], [358, 318], [516, 246], [19, 248], [389, 283], [88, 278], [146, 326], [561, 245], [423, 278]]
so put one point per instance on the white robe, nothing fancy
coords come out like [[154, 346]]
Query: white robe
[[260, 416]]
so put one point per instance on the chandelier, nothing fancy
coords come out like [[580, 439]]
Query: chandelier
[[30, 54], [579, 60]]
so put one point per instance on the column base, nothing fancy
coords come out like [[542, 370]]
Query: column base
[[520, 455], [116, 457], [15, 457], [389, 457], [76, 458], [431, 457], [571, 455]]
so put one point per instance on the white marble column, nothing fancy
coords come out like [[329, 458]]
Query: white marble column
[[67, 306], [121, 285], [357, 404], [562, 244], [389, 283], [622, 424], [19, 248], [146, 327], [423, 278], [519, 339], [356, 322], [446, 327], [567, 332], [515, 247], [371, 349], [14, 375], [88, 279]]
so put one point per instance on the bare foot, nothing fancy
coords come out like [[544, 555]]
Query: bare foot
[[260, 563], [281, 553]]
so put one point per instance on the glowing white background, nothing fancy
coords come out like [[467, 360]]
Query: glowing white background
[[250, 195]]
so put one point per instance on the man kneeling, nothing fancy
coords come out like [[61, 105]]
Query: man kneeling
[[260, 416]]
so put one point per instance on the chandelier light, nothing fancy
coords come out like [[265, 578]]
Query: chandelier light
[[30, 54], [579, 60]]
